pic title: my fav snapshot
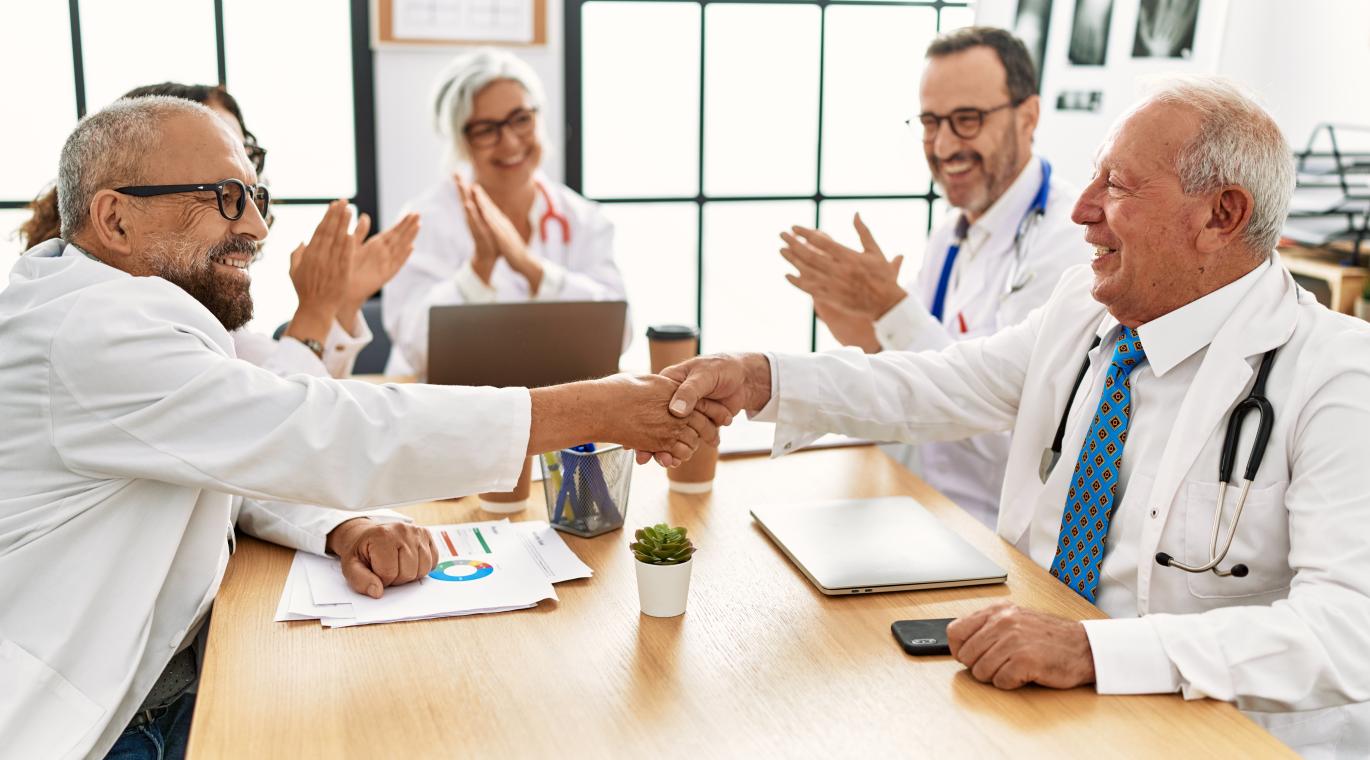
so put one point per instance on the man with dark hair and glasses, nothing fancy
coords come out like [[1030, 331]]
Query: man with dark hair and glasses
[[135, 440], [993, 259]]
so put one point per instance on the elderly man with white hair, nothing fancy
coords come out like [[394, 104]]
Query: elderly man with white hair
[[1132, 374], [134, 440]]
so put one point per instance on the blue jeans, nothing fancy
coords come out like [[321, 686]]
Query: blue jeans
[[163, 737]]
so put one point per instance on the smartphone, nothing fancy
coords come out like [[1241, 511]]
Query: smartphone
[[922, 637]]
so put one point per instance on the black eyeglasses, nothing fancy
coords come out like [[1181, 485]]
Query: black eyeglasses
[[487, 134], [232, 195], [965, 122]]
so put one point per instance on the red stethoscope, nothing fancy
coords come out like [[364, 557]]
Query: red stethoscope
[[552, 215]]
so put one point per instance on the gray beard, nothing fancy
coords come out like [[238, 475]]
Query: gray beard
[[181, 263]]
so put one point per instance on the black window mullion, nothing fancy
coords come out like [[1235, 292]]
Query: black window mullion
[[818, 167], [700, 197], [219, 55], [575, 167], [78, 64]]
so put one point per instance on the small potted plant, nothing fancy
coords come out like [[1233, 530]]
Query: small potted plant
[[663, 569]]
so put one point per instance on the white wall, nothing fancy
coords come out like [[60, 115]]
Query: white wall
[[409, 154], [1305, 59]]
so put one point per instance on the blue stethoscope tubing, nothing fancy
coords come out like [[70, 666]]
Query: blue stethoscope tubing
[[1255, 401]]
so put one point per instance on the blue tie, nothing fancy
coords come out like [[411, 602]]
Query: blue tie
[[1090, 502]]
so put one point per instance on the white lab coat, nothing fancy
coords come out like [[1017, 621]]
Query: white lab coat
[[970, 471], [133, 440], [288, 356], [439, 272], [1288, 643]]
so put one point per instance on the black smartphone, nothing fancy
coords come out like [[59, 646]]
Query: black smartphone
[[922, 637]]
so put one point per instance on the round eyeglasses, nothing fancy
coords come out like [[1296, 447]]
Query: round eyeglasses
[[965, 123], [488, 133]]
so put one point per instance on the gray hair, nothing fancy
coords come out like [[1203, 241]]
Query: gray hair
[[109, 149], [1238, 143], [454, 96]]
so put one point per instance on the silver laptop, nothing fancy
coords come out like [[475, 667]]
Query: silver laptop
[[864, 546], [530, 344]]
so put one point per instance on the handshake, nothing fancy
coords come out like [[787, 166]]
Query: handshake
[[664, 417]]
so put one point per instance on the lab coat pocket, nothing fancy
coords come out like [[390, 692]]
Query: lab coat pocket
[[1261, 542], [41, 713]]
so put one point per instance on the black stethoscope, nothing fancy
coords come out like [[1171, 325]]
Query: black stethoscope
[[1255, 401]]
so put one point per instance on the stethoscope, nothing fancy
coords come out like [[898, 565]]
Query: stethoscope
[[552, 215], [1255, 401], [1018, 275]]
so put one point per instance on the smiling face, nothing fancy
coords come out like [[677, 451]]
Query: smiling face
[[974, 172], [509, 164], [1144, 228], [183, 238]]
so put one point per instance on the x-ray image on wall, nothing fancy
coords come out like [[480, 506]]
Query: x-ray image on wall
[[1165, 29], [1031, 24], [1089, 33]]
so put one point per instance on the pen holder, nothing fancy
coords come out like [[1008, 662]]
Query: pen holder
[[587, 487]]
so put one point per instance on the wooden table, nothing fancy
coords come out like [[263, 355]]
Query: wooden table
[[1345, 283], [761, 664]]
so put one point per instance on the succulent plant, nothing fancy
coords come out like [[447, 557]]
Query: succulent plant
[[661, 544]]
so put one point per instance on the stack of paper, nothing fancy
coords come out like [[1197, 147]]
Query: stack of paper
[[482, 567]]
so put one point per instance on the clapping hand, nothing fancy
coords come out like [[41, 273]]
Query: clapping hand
[[862, 283]]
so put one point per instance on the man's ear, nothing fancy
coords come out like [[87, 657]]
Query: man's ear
[[1028, 112], [1228, 216], [109, 223]]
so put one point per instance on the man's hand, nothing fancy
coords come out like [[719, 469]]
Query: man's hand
[[319, 271], [487, 252], [860, 282], [626, 409], [375, 262], [641, 420], [849, 329], [376, 555], [1009, 646], [736, 381]]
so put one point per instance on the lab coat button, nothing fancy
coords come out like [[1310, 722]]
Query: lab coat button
[[1155, 512], [789, 446]]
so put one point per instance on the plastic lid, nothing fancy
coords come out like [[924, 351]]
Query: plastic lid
[[671, 332]]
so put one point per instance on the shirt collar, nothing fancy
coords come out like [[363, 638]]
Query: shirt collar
[[1003, 216], [1173, 337]]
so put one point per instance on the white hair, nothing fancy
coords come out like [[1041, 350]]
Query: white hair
[[1238, 143], [109, 149], [454, 96]]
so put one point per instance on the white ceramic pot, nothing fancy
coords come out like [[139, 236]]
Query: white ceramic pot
[[663, 589]]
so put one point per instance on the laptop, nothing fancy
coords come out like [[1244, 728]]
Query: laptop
[[526, 344], [865, 546]]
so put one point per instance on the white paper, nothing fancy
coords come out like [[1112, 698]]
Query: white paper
[[463, 20], [492, 566]]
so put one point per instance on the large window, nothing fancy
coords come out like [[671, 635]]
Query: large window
[[312, 112], [706, 128]]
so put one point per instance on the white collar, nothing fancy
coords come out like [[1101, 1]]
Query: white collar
[[1004, 215], [1175, 336]]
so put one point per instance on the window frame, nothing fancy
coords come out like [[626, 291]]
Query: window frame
[[574, 115], [363, 103]]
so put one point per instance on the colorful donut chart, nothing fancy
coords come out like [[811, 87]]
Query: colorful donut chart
[[440, 573]]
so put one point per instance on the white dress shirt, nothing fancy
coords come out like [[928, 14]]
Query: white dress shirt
[[439, 272], [970, 472], [1287, 642], [134, 440]]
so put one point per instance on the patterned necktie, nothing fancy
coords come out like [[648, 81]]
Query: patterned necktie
[[1090, 503]]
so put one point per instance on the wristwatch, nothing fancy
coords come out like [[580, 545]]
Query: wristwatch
[[312, 345]]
